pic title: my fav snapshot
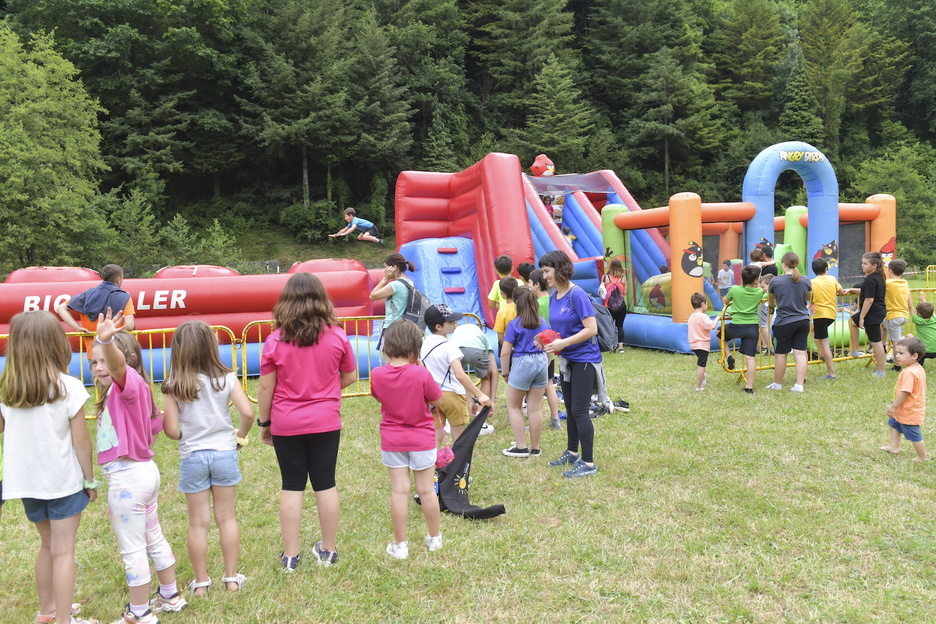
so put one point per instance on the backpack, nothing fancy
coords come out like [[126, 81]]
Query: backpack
[[614, 299], [607, 332], [416, 305]]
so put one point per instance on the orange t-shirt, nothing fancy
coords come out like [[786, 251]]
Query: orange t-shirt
[[912, 380], [91, 326]]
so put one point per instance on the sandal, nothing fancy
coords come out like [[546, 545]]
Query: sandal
[[45, 619], [240, 579], [196, 585]]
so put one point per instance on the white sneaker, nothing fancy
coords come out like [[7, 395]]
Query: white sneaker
[[398, 551], [434, 543], [774, 386], [796, 388], [486, 428]]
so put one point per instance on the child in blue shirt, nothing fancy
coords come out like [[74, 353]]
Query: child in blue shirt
[[368, 231]]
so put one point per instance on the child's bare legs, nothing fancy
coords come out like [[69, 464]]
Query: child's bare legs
[[552, 399], [371, 239], [399, 501], [290, 517], [751, 365], [852, 336], [894, 446], [515, 414], [825, 354], [801, 362], [226, 519], [55, 564], [456, 431], [780, 360], [765, 338], [878, 349], [700, 377], [327, 504], [535, 415], [920, 448], [425, 487], [199, 513]]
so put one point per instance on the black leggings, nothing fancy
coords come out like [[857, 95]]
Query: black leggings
[[619, 322], [576, 393], [309, 456]]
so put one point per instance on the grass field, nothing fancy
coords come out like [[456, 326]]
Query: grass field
[[710, 506]]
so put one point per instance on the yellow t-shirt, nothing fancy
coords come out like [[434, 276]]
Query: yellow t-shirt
[[896, 296], [507, 313], [495, 294], [823, 296]]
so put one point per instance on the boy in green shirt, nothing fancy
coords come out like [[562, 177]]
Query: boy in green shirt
[[925, 327], [745, 301]]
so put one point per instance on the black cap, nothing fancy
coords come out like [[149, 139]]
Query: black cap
[[438, 314]]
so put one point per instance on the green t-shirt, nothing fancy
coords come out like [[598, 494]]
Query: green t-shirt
[[544, 306], [925, 330], [744, 302]]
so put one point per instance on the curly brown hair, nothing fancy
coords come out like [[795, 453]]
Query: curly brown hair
[[303, 310]]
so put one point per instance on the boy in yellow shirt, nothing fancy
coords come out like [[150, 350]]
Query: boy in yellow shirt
[[897, 301], [508, 309], [503, 264]]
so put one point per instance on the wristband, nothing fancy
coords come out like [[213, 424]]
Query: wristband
[[91, 485], [242, 441], [260, 423], [98, 340]]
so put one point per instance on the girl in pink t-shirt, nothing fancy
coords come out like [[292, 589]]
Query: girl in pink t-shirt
[[407, 431], [128, 420], [700, 335]]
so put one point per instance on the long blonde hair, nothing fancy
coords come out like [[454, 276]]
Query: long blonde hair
[[37, 354], [791, 261], [194, 352]]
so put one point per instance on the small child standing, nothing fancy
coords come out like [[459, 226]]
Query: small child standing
[[197, 392], [725, 278], [128, 420], [700, 335], [925, 327], [524, 368], [48, 448], [908, 410], [503, 264], [825, 290], [443, 359], [407, 434], [897, 302]]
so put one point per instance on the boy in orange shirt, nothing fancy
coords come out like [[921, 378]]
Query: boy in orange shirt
[[909, 407]]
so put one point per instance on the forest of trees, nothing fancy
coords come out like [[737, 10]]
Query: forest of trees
[[160, 131]]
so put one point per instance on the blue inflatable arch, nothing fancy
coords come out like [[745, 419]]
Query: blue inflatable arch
[[821, 192]]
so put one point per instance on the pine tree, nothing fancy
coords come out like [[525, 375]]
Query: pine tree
[[800, 120]]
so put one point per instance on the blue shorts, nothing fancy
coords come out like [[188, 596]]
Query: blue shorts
[[911, 432], [415, 460], [57, 509], [528, 371], [204, 469]]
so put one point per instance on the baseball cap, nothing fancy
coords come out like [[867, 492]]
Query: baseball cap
[[440, 313]]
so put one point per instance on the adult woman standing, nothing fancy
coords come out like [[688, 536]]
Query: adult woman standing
[[306, 362], [616, 280], [572, 316]]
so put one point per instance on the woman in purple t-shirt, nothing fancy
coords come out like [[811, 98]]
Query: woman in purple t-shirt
[[306, 362], [571, 315]]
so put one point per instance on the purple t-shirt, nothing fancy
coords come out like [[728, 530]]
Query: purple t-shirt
[[522, 338], [126, 427], [307, 396], [404, 393], [565, 317]]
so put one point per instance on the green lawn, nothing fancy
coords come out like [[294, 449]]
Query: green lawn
[[710, 506]]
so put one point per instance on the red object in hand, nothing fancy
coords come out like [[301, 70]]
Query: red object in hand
[[548, 336]]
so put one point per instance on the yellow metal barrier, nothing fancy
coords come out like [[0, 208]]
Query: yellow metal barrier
[[931, 276]]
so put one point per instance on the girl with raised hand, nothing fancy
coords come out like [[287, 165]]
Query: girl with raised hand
[[128, 422], [48, 452], [197, 392]]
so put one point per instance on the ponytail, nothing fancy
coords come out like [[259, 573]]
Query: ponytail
[[791, 261], [401, 263]]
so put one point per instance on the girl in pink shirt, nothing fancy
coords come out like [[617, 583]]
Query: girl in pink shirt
[[407, 431], [700, 335], [128, 420]]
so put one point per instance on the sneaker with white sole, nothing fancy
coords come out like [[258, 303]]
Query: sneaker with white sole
[[398, 550], [535, 452], [288, 564], [797, 388], [486, 429], [129, 618], [325, 557], [580, 469], [434, 543], [775, 386], [173, 604], [515, 451], [566, 458]]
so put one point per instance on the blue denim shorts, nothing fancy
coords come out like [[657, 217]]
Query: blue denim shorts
[[57, 509], [911, 432], [415, 460], [203, 469], [528, 371]]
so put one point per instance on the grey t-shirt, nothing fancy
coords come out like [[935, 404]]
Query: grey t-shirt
[[792, 298]]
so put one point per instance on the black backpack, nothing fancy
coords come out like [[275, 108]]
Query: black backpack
[[607, 332], [416, 305]]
